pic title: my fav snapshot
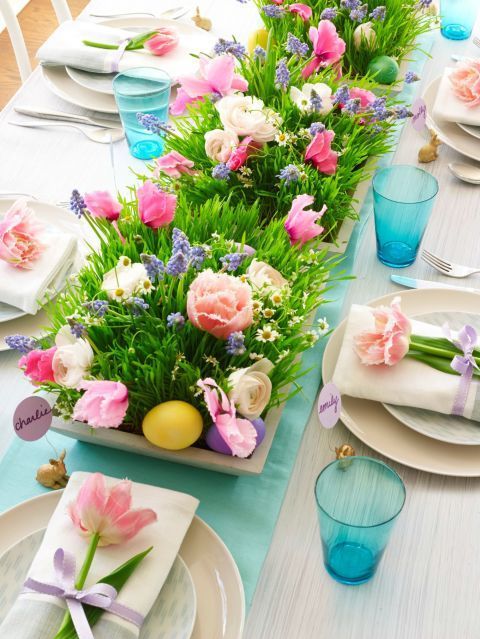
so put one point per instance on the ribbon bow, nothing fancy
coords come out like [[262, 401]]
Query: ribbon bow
[[463, 364], [100, 595], [114, 57]]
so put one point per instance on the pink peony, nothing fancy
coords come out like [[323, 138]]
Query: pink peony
[[240, 154], [156, 208], [219, 304], [366, 97], [465, 80], [328, 47], [390, 341], [173, 164], [19, 231], [301, 224], [302, 10], [107, 512], [104, 405], [217, 76], [320, 153], [37, 365], [102, 204], [164, 41]]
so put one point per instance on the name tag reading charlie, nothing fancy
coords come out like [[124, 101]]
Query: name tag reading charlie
[[32, 418], [329, 405]]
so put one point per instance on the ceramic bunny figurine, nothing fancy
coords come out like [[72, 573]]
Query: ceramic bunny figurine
[[429, 151], [54, 474]]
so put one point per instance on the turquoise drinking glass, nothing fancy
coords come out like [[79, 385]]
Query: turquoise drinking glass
[[457, 18], [143, 91], [358, 500], [403, 198]]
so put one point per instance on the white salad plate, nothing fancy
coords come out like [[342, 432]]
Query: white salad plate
[[218, 585], [172, 616], [379, 429], [470, 129]]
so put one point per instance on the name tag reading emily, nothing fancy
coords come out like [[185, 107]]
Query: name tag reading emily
[[329, 405], [32, 418]]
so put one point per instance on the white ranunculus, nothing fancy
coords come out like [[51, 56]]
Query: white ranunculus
[[125, 278], [246, 115], [301, 97], [72, 359], [263, 276], [251, 388], [364, 33], [219, 144]]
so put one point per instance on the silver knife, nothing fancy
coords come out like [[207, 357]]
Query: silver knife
[[410, 282], [68, 117]]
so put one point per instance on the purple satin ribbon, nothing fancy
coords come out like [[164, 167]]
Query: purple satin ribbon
[[117, 56], [100, 595], [463, 364]]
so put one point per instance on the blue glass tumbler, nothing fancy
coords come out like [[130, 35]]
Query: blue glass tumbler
[[403, 198], [143, 91], [457, 18], [358, 500]]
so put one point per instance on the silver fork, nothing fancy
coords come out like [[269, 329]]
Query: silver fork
[[447, 268], [476, 41]]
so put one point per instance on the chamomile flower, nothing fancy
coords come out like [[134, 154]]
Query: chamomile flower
[[255, 356], [283, 138], [267, 334], [282, 355], [243, 278], [145, 287], [124, 261], [268, 313], [294, 320], [120, 294], [211, 360], [323, 326], [257, 307], [311, 337], [276, 298]]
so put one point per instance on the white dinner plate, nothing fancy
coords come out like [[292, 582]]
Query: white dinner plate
[[218, 585], [377, 428], [172, 616], [448, 132], [470, 129]]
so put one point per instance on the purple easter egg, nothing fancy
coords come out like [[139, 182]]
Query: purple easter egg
[[216, 442], [259, 426]]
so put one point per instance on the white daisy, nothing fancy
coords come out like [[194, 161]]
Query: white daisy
[[267, 334], [124, 262], [145, 287], [323, 326], [268, 313], [276, 298]]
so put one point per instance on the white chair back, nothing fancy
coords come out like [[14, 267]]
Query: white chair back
[[62, 12]]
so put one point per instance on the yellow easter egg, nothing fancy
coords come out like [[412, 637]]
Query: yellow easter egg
[[173, 425], [257, 38]]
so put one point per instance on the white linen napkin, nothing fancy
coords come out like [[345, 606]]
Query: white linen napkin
[[175, 512], [409, 383], [449, 108], [25, 288]]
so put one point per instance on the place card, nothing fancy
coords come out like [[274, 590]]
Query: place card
[[32, 418], [329, 405]]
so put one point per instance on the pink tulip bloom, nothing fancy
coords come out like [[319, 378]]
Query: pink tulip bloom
[[217, 76], [240, 154], [319, 152], [303, 10], [465, 80], [164, 41], [104, 405], [219, 303], [301, 224], [108, 512], [328, 47], [20, 245], [37, 365], [390, 341], [102, 204], [173, 164], [366, 97], [277, 1], [156, 208], [239, 434]]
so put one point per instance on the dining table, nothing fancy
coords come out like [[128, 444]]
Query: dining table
[[428, 583]]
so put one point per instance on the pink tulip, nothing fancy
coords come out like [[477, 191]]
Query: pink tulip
[[328, 47], [366, 97], [173, 164], [104, 405], [303, 10], [102, 204], [466, 82], [390, 341], [277, 1], [20, 245], [107, 512], [164, 41], [301, 224], [240, 154], [320, 153], [37, 365], [239, 434], [217, 76], [156, 208], [219, 303]]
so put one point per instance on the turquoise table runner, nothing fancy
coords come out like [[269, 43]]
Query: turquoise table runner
[[242, 510]]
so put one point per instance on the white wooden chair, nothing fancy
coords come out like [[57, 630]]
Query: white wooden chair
[[62, 12]]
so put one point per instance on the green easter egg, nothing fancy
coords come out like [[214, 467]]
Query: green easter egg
[[384, 69]]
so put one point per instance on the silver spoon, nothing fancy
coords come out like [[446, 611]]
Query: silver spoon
[[104, 136], [466, 172], [174, 13]]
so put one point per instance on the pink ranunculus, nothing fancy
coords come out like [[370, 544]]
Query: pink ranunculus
[[366, 97], [217, 76], [104, 405], [320, 153], [173, 164], [164, 41], [108, 512], [390, 341], [102, 204], [37, 365], [219, 303], [20, 245], [302, 10], [156, 208], [328, 47], [465, 80], [301, 224], [239, 434], [240, 154]]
